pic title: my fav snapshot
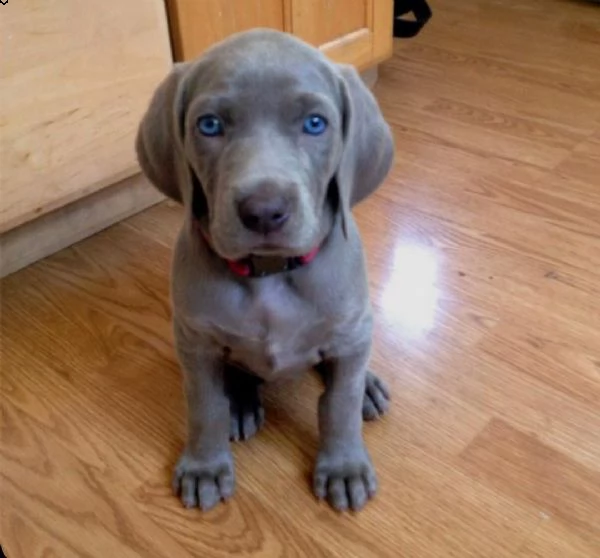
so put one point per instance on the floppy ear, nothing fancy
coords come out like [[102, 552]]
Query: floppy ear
[[159, 138], [368, 149]]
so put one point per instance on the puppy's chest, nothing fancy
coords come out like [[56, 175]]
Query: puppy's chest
[[272, 331]]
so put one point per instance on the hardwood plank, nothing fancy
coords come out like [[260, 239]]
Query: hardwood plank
[[552, 540], [61, 487], [543, 34], [495, 84], [518, 464], [583, 161]]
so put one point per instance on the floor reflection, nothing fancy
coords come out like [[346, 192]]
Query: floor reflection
[[410, 296]]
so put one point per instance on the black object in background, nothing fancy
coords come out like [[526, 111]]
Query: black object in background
[[407, 28]]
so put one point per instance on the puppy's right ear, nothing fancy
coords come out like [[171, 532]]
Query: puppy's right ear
[[159, 141]]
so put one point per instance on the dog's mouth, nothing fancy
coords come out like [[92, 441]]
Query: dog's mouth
[[274, 245], [272, 249], [267, 259], [268, 250], [263, 249]]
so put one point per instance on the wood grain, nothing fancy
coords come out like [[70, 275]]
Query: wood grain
[[357, 33], [195, 26], [72, 95], [319, 22], [520, 465], [483, 250]]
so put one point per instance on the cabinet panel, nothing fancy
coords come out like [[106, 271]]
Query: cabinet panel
[[198, 24], [357, 32], [321, 21], [74, 82]]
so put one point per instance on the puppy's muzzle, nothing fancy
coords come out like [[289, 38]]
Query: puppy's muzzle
[[266, 210]]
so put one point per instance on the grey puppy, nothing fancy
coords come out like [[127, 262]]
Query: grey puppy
[[268, 145]]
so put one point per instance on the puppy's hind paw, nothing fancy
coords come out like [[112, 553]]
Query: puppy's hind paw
[[246, 419], [246, 412], [376, 400]]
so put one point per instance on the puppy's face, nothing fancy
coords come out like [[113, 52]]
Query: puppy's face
[[262, 133]]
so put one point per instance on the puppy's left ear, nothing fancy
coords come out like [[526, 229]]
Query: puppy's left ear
[[159, 138], [368, 150]]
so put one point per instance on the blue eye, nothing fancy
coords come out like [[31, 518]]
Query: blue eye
[[210, 125], [314, 124]]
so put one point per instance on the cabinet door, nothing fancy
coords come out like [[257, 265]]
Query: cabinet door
[[75, 79], [357, 32], [198, 24]]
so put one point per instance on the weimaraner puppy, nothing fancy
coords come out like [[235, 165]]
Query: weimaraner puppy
[[268, 145]]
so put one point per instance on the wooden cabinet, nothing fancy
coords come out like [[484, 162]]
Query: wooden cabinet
[[75, 79], [357, 32]]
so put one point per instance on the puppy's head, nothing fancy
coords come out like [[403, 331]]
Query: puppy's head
[[264, 139]]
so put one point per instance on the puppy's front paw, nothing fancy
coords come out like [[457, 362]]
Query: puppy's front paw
[[345, 479], [204, 482]]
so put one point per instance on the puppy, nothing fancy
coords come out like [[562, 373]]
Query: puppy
[[268, 145]]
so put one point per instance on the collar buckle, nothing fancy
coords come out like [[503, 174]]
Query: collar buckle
[[262, 266]]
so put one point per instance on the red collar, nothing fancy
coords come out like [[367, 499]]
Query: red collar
[[261, 266]]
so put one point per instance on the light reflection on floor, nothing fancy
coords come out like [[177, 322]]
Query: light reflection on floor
[[410, 296]]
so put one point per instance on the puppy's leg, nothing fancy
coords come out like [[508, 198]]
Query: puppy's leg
[[344, 474], [376, 400], [204, 474], [247, 414]]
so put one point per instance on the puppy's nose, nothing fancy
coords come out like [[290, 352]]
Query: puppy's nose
[[264, 214]]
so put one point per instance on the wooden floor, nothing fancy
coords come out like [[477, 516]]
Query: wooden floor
[[484, 259]]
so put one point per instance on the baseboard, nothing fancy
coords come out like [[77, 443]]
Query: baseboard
[[46, 235]]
